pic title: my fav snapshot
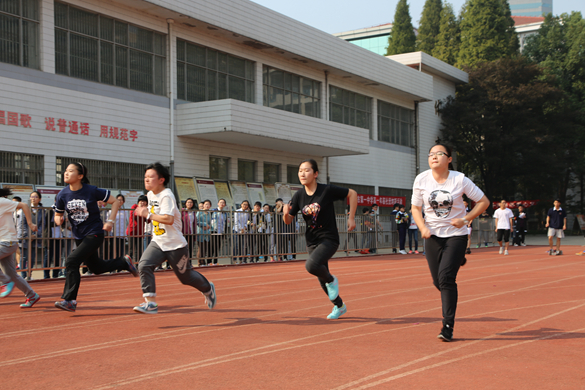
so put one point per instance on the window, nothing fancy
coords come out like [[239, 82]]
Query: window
[[271, 173], [19, 32], [246, 170], [94, 47], [206, 74], [290, 92], [395, 124], [292, 174], [350, 108], [22, 168], [219, 168], [106, 174]]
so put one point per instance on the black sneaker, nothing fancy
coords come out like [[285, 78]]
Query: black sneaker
[[446, 333], [463, 262]]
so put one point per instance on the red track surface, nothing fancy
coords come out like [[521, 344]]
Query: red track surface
[[520, 325]]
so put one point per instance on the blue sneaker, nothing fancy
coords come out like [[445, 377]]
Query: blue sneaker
[[131, 267], [30, 301], [66, 305], [211, 298], [337, 312], [6, 289], [333, 289], [147, 308]]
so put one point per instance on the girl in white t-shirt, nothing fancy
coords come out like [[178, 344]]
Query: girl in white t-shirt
[[440, 191], [168, 242], [9, 278]]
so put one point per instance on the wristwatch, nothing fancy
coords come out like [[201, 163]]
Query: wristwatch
[[466, 221]]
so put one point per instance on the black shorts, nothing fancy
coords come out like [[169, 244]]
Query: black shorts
[[505, 233]]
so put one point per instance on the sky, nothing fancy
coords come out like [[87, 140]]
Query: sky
[[333, 16]]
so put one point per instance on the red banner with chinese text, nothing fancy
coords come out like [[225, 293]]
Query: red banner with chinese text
[[381, 201], [514, 204]]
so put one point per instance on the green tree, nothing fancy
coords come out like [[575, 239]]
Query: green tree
[[559, 48], [448, 40], [402, 38], [487, 32], [504, 127], [429, 27]]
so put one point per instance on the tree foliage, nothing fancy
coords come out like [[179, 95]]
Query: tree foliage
[[559, 48], [402, 38], [487, 32], [429, 28], [510, 130], [448, 40]]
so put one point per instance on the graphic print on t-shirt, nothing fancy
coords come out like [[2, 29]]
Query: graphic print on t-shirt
[[77, 210], [156, 225], [441, 201], [312, 210]]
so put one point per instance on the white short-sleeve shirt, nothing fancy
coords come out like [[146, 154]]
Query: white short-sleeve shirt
[[503, 217], [7, 230], [168, 237], [444, 202]]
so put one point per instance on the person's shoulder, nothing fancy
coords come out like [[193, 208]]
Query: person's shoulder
[[423, 175]]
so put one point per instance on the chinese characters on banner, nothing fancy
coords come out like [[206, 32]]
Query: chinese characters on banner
[[516, 203], [60, 125], [381, 201]]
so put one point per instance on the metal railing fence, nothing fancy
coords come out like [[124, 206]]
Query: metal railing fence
[[216, 237]]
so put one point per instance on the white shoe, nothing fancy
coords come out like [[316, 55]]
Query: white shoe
[[505, 253], [501, 250], [403, 252], [523, 244]]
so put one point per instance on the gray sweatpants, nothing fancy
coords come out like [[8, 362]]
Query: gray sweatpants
[[153, 256], [8, 265]]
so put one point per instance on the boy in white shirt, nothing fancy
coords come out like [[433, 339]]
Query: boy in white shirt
[[504, 222]]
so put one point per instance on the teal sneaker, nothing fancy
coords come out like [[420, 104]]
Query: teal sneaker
[[332, 289], [337, 312], [131, 267], [6, 289], [30, 301], [211, 298], [147, 308]]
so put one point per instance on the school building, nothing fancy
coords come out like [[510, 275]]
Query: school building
[[225, 90]]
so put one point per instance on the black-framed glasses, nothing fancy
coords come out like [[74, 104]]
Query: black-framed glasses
[[439, 154]]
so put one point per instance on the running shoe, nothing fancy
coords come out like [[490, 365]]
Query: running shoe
[[403, 252], [6, 289], [66, 305], [131, 267], [333, 289], [486, 244], [559, 253], [478, 246], [446, 333], [416, 252], [211, 298], [30, 301], [506, 252], [501, 250], [146, 308], [337, 312], [410, 252], [523, 244]]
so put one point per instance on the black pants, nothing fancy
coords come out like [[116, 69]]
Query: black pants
[[444, 256], [318, 264], [86, 252], [402, 230]]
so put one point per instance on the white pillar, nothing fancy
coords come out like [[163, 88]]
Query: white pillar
[[47, 36]]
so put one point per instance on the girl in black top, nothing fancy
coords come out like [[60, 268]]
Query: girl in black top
[[315, 202]]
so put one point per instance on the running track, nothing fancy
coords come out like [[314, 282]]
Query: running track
[[521, 325]]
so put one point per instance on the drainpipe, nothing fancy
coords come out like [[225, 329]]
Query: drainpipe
[[416, 138], [171, 104], [326, 97]]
